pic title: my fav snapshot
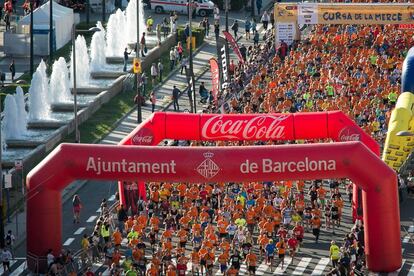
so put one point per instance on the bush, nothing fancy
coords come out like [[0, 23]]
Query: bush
[[235, 5], [198, 33]]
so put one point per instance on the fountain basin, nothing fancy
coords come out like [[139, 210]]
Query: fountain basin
[[107, 74], [17, 143], [67, 106], [42, 124], [89, 90]]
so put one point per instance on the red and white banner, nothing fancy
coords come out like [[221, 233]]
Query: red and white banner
[[217, 164], [215, 77], [234, 45]]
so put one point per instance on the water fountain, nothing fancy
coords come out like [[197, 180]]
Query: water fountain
[[21, 110], [11, 128], [115, 37], [99, 68], [97, 51], [82, 62], [59, 82], [39, 107]]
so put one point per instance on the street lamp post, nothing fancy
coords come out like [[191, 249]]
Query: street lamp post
[[1, 190], [103, 11], [51, 32], [190, 14], [31, 39], [138, 74], [75, 92]]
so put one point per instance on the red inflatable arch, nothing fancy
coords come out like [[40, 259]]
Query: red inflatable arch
[[352, 160], [287, 126]]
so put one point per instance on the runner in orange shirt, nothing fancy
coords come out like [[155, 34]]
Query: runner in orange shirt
[[251, 261]]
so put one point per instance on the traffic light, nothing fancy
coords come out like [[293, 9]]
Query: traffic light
[[137, 65]]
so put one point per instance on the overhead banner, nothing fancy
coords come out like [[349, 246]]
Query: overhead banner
[[285, 32], [234, 45], [358, 14], [215, 77], [286, 13]]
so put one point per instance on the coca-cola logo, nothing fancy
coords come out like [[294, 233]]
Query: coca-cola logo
[[349, 134], [143, 137], [261, 127]]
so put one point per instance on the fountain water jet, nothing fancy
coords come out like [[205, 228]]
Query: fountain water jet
[[11, 129], [116, 40], [98, 59], [39, 105], [21, 110], [59, 82], [82, 63]]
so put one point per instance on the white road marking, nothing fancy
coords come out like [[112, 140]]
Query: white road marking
[[68, 241], [279, 270], [19, 270], [402, 264], [243, 268], [112, 198], [411, 229], [106, 272], [302, 265], [406, 239], [99, 210], [96, 266], [79, 231], [411, 272], [91, 218], [320, 267], [263, 267]]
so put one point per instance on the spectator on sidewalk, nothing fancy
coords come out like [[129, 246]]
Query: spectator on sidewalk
[[216, 13], [184, 62], [9, 240], [7, 20], [154, 73], [172, 59], [143, 45], [153, 99], [247, 27], [12, 69], [160, 70], [235, 28], [265, 20], [217, 29], [175, 94], [158, 33], [6, 256], [77, 206], [126, 55]]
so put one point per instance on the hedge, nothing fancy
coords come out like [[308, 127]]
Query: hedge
[[198, 33]]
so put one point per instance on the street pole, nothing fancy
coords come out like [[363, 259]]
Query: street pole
[[103, 11], [138, 75], [51, 32], [75, 92], [1, 191], [87, 12], [190, 15], [226, 10], [31, 39]]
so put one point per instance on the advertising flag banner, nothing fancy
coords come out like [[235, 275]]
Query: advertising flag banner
[[215, 77], [234, 45]]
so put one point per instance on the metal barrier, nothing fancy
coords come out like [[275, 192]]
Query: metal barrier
[[82, 259]]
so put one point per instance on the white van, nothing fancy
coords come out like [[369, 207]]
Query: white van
[[203, 7]]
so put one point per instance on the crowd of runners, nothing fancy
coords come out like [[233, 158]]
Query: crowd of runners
[[188, 228]]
